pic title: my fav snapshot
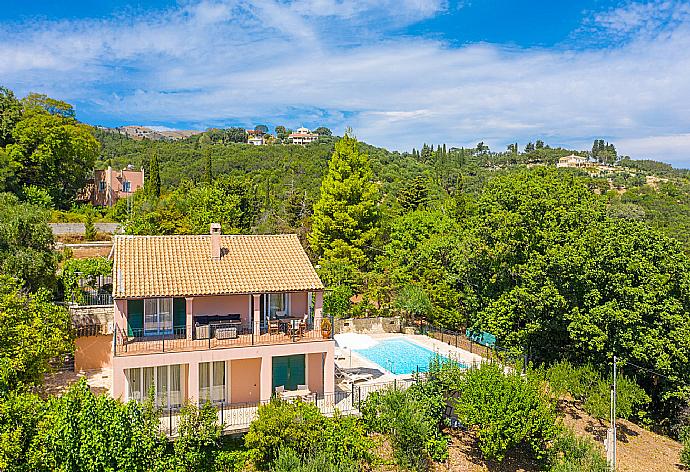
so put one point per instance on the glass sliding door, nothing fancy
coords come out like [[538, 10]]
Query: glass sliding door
[[148, 381], [158, 316], [275, 305], [162, 396], [133, 384], [165, 382], [212, 382]]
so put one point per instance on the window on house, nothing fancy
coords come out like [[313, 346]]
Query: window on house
[[212, 382], [158, 316], [126, 186], [275, 305], [165, 382], [101, 185]]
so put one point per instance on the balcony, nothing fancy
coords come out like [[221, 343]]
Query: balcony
[[218, 336]]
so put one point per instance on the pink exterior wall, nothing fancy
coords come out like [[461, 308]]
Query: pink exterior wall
[[315, 371], [93, 352], [298, 303], [120, 316], [223, 305], [245, 380], [193, 358]]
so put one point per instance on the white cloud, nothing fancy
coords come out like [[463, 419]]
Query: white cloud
[[305, 62]]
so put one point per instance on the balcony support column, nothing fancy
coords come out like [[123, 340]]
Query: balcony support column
[[256, 316], [193, 382], [318, 310], [266, 378], [189, 312]]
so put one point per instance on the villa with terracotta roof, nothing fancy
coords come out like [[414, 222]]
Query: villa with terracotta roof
[[223, 318], [303, 136]]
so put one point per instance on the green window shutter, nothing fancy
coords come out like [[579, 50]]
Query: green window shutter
[[288, 371], [296, 371], [179, 314], [280, 372], [135, 317]]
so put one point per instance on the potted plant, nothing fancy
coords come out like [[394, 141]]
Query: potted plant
[[326, 328]]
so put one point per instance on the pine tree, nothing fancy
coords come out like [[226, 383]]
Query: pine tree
[[415, 195], [346, 215], [209, 165], [154, 179]]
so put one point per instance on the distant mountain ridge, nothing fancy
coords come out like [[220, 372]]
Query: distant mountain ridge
[[142, 132]]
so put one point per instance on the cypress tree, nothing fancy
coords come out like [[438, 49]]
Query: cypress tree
[[209, 165], [154, 179]]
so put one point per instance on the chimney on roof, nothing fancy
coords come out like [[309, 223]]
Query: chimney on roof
[[215, 241]]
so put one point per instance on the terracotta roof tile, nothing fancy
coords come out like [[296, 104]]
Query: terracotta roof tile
[[167, 266]]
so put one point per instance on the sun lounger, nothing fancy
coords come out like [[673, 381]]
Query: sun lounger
[[352, 377]]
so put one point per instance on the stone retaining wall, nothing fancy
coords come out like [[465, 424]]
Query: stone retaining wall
[[371, 325], [92, 320], [78, 228]]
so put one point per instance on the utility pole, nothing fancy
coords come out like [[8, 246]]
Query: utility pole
[[611, 434], [614, 412]]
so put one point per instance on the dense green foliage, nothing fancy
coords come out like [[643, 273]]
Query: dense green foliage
[[508, 411], [26, 242], [86, 270], [586, 384], [685, 453], [190, 209], [299, 431], [32, 332], [571, 453], [53, 153], [80, 432]]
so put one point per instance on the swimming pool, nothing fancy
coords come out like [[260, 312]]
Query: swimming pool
[[399, 356]]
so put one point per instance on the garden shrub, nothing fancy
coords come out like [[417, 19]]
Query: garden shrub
[[89, 268], [571, 453], [231, 461], [509, 411], [411, 423], [198, 437], [586, 384], [289, 461], [280, 424], [685, 453], [345, 440]]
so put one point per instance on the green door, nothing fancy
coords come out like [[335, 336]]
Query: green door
[[288, 371], [179, 316]]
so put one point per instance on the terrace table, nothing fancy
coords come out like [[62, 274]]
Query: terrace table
[[303, 394]]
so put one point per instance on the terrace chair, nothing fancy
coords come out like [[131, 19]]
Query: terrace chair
[[302, 387], [280, 389], [273, 327], [303, 326]]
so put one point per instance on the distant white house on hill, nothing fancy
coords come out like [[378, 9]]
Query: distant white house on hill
[[574, 161], [303, 136], [256, 137]]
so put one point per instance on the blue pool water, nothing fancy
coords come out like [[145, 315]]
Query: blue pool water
[[399, 356]]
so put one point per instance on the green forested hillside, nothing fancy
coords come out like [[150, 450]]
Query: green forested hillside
[[573, 265]]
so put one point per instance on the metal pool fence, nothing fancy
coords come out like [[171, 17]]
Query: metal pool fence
[[235, 418]]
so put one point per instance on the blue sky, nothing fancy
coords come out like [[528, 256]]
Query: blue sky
[[399, 72]]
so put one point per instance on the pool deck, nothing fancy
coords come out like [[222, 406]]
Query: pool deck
[[354, 360]]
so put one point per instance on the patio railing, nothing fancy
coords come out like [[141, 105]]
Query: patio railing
[[235, 418], [137, 341]]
